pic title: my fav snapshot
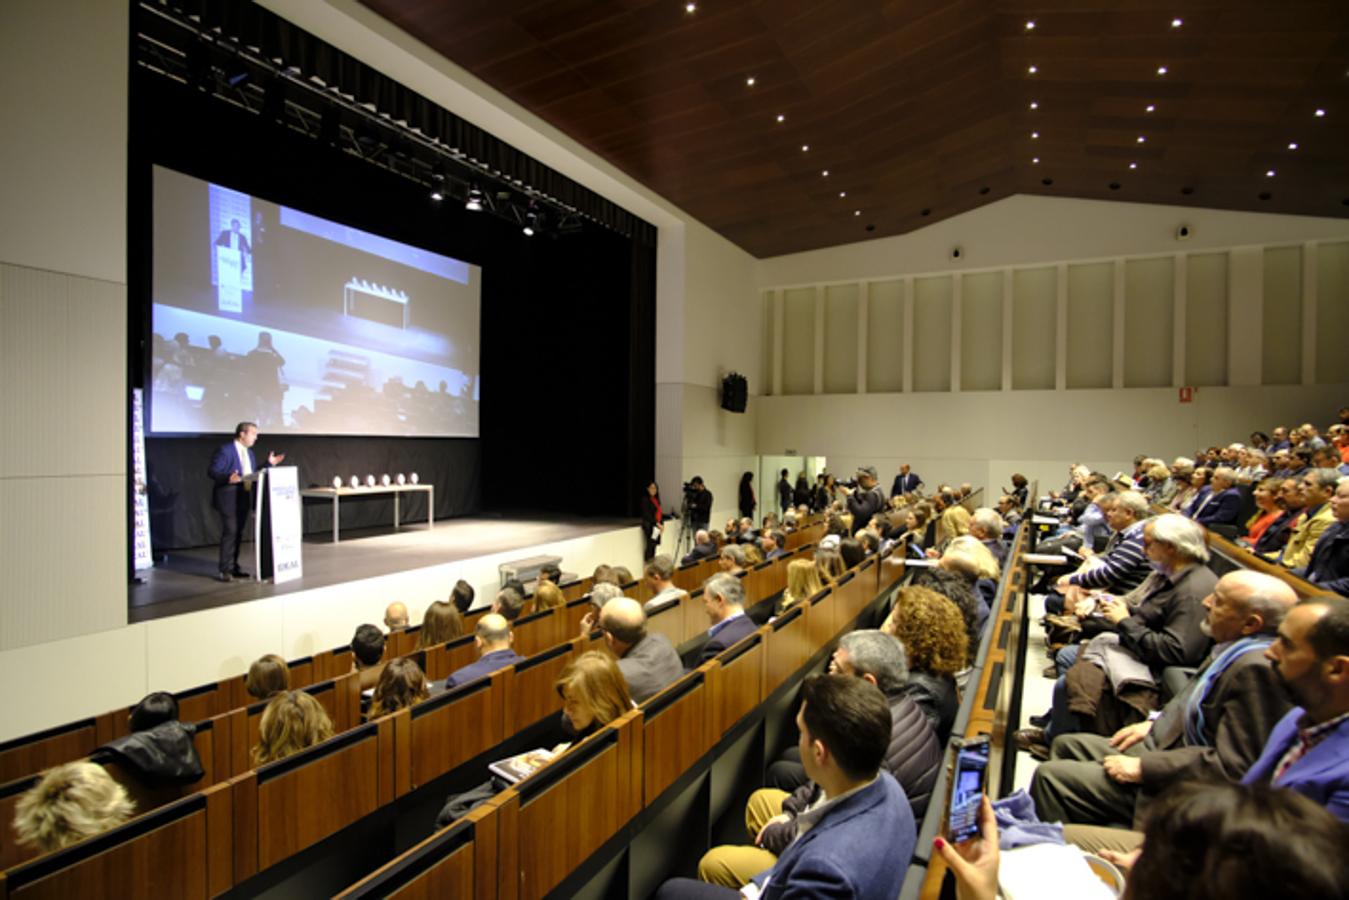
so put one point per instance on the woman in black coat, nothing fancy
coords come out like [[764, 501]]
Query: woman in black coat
[[747, 499]]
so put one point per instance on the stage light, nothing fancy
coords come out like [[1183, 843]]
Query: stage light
[[781, 118], [1030, 26], [1161, 70], [749, 82], [402, 479], [1269, 173], [474, 201], [1141, 139], [1035, 160], [1034, 105], [842, 194], [1133, 166], [413, 478], [1320, 114], [1032, 70], [1176, 23], [690, 7], [1151, 108], [1292, 145]]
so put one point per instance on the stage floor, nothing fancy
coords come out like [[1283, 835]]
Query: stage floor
[[185, 582]]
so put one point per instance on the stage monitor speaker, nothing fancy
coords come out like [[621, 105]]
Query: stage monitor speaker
[[734, 392]]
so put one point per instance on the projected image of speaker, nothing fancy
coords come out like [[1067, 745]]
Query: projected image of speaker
[[734, 392]]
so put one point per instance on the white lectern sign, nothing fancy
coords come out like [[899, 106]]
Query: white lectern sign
[[283, 485], [229, 279]]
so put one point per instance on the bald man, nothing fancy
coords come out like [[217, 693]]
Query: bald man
[[1215, 728], [493, 638], [648, 661], [396, 616]]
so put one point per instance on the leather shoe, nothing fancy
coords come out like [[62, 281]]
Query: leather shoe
[[1051, 671], [1039, 721], [239, 573], [224, 576], [1032, 740]]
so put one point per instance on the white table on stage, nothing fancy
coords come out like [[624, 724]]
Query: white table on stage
[[336, 495]]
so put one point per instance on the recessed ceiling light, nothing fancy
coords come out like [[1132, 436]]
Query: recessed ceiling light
[[824, 174], [1176, 23], [1320, 114], [1292, 145], [1133, 166], [1034, 135], [690, 7], [1030, 26], [750, 81], [781, 118], [1141, 139], [1161, 70], [1034, 105], [1151, 108], [1035, 160], [842, 194], [1032, 70], [805, 148], [856, 212], [1269, 173]]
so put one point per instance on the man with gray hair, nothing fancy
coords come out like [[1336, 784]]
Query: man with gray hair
[[913, 757], [724, 601], [1182, 467], [703, 548], [1120, 568], [509, 603], [657, 574], [648, 662], [1317, 485], [987, 526], [1214, 728], [1223, 504]]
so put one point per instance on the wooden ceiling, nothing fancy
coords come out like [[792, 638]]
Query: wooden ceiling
[[922, 109]]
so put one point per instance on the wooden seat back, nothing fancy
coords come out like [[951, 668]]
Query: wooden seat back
[[339, 697], [436, 735], [735, 682], [537, 632], [786, 647], [530, 686], [676, 731], [34, 753], [444, 659]]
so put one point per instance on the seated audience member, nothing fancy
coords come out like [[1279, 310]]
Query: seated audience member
[[400, 685], [291, 722], [604, 573], [987, 526], [548, 596], [160, 749], [1316, 486], [1329, 564], [744, 531], [1223, 504], [649, 662], [870, 543], [855, 844], [1181, 468], [367, 654], [69, 803], [593, 693], [850, 549], [960, 590], [601, 594], [1327, 456], [1233, 842], [1254, 466], [1020, 490], [1276, 535], [1156, 625], [724, 602], [703, 548], [509, 603], [803, 582], [462, 596], [441, 624], [829, 564], [1214, 729], [1011, 514], [932, 632], [1120, 568], [623, 576], [1159, 476], [732, 559], [954, 521], [753, 555], [493, 638], [1186, 502], [772, 545], [549, 572], [1267, 511], [396, 616], [658, 573], [916, 522], [914, 755], [267, 675]]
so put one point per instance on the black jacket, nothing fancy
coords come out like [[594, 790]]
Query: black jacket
[[863, 504], [163, 755], [935, 695], [747, 501]]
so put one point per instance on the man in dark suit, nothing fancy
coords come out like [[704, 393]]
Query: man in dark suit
[[1329, 563], [858, 842], [905, 482], [1224, 502], [493, 638], [231, 465], [703, 548], [724, 600], [234, 237], [1216, 727]]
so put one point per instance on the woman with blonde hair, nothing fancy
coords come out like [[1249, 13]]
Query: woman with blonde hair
[[969, 555], [548, 596], [829, 564], [268, 676], [441, 623], [401, 684], [803, 582], [291, 722], [753, 555], [933, 633], [69, 803], [594, 693]]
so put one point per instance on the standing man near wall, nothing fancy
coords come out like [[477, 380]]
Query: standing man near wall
[[231, 464], [906, 482], [784, 493]]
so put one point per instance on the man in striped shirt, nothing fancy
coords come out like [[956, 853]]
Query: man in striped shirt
[[1120, 568]]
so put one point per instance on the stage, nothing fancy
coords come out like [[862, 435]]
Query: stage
[[184, 581]]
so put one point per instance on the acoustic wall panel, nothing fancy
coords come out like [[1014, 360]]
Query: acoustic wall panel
[[769, 337], [1034, 329], [840, 339], [1149, 321], [981, 331], [1332, 314], [885, 337], [932, 333], [1091, 325], [798, 341], [1281, 326], [1206, 319]]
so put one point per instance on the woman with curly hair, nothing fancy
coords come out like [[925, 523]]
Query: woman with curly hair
[[401, 684], [933, 633], [291, 722], [70, 803]]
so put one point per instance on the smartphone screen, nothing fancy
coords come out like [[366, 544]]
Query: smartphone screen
[[967, 789]]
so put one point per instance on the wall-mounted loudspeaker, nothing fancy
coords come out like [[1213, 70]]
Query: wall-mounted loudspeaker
[[734, 392], [957, 253], [1183, 232]]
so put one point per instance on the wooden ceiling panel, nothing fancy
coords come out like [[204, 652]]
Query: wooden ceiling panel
[[922, 105]]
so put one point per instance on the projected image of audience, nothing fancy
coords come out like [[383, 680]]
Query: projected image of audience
[[302, 324]]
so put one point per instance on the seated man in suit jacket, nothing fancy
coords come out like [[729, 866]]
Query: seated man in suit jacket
[[1215, 727], [493, 637], [724, 600], [1317, 487], [1329, 565], [1224, 504], [858, 841]]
